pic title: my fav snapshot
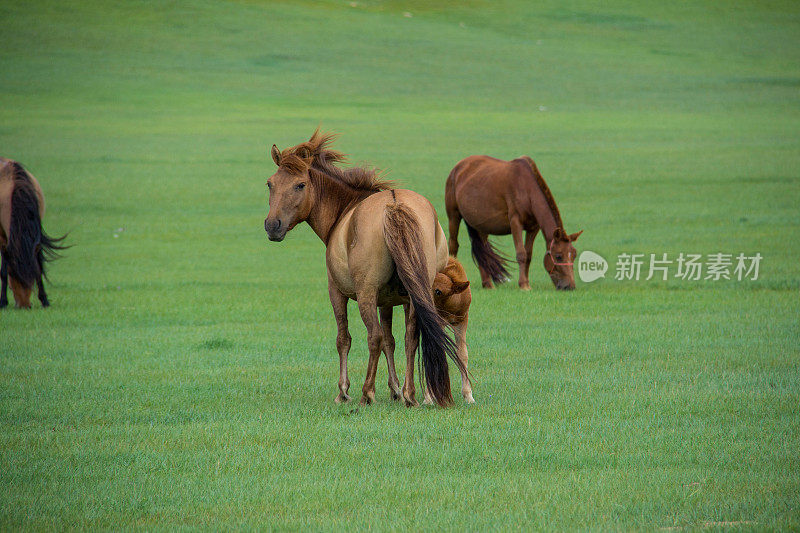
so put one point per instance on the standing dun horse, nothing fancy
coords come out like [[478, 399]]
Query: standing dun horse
[[383, 249], [496, 197], [25, 248]]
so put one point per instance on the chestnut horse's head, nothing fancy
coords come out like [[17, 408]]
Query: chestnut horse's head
[[290, 191], [559, 259]]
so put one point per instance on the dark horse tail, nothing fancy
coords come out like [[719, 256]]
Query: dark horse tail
[[487, 257], [402, 228], [29, 247]]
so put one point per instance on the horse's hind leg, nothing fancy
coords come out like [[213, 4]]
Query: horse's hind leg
[[388, 349], [453, 215], [367, 306], [412, 342], [3, 280], [339, 304]]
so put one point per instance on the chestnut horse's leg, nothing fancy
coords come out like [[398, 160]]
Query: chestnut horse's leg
[[530, 235], [486, 279], [339, 304], [388, 349], [3, 279], [412, 342], [461, 339], [453, 216], [522, 255], [367, 306]]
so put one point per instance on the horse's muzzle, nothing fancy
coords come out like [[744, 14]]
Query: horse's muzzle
[[276, 231]]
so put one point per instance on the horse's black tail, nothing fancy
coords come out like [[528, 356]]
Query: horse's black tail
[[29, 247], [402, 228], [487, 257]]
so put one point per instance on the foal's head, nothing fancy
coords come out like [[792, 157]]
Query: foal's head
[[559, 258], [450, 292], [290, 192]]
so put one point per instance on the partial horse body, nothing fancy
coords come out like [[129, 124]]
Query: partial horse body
[[496, 197], [25, 248], [383, 249]]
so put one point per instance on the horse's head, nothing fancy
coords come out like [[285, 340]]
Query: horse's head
[[290, 192], [559, 258]]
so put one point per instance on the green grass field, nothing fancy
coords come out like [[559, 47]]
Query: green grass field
[[184, 376]]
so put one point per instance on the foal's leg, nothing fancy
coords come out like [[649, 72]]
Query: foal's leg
[[3, 280], [339, 304], [522, 255], [461, 339], [388, 349], [367, 306], [412, 341], [530, 235]]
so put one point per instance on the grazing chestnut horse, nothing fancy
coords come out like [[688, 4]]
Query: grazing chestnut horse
[[24, 245], [496, 197], [383, 248], [452, 296]]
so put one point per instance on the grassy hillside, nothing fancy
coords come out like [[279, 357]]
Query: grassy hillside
[[185, 373]]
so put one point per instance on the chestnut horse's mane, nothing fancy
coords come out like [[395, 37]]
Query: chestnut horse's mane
[[545, 190], [316, 156]]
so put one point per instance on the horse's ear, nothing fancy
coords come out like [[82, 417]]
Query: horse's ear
[[574, 236], [276, 155], [460, 286], [560, 235]]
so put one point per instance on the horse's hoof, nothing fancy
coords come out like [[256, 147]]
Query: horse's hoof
[[366, 400], [411, 402], [468, 398], [488, 286], [394, 395], [525, 287], [342, 398], [3, 304]]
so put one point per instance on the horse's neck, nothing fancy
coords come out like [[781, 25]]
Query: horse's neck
[[540, 209], [334, 202]]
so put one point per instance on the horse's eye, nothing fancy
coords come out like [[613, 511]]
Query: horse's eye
[[438, 292], [269, 186], [300, 186]]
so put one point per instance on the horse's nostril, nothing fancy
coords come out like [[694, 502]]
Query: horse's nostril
[[278, 225], [266, 225]]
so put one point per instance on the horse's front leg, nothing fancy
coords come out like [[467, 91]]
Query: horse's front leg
[[367, 306], [3, 280], [339, 304], [412, 342], [530, 235], [388, 349], [522, 256]]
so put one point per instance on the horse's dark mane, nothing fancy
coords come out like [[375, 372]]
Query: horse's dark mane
[[545, 190], [316, 156]]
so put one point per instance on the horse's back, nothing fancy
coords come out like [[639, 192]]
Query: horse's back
[[358, 253], [482, 187]]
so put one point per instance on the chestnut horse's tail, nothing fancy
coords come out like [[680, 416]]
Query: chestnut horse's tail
[[487, 257], [402, 228], [29, 247]]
